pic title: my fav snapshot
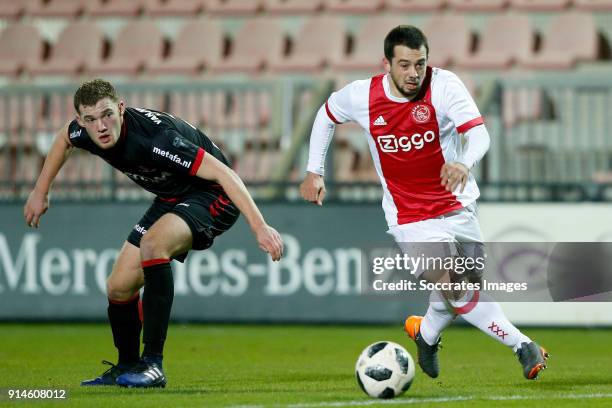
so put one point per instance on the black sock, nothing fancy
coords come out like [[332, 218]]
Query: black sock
[[156, 305], [126, 326]]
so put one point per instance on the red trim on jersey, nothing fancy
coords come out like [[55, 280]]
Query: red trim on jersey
[[197, 162], [469, 306], [156, 261], [133, 299], [331, 116], [470, 124], [168, 200]]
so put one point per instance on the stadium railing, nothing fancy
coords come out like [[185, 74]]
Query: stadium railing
[[550, 138]]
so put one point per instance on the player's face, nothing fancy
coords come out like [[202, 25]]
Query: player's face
[[407, 70], [102, 121]]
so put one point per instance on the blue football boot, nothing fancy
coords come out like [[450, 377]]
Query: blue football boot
[[108, 377], [149, 374]]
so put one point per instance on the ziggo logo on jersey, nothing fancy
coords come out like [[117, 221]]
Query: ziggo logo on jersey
[[392, 143]]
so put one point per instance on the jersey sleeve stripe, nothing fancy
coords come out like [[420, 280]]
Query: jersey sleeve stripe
[[470, 124], [197, 162], [331, 116]]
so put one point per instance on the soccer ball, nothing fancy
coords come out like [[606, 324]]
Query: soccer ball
[[384, 370]]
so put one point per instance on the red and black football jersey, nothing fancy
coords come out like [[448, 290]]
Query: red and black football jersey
[[158, 151]]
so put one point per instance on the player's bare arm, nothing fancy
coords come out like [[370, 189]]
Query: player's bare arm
[[268, 238], [312, 188], [38, 200]]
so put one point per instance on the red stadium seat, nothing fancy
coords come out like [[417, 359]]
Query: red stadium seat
[[449, 39], [354, 6], [183, 8], [593, 5], [233, 7], [414, 5], [320, 41], [79, 46], [292, 6], [477, 5], [198, 45], [117, 8], [258, 42], [12, 9], [59, 8], [506, 38], [368, 50], [138, 45], [21, 48], [571, 37], [539, 5]]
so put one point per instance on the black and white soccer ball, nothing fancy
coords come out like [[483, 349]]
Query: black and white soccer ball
[[384, 370]]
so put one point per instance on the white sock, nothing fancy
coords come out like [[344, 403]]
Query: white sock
[[437, 318], [481, 311]]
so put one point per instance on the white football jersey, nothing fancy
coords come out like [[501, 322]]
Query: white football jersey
[[410, 140]]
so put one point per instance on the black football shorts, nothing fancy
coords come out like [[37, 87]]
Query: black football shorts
[[207, 214]]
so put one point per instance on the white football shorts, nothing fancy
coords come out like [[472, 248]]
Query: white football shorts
[[456, 233]]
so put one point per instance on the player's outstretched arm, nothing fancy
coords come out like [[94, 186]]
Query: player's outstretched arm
[[268, 238], [38, 200]]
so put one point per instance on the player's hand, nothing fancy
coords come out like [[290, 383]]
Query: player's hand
[[312, 188], [454, 174], [35, 207], [270, 241]]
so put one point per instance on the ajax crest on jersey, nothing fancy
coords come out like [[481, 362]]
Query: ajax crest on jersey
[[384, 370]]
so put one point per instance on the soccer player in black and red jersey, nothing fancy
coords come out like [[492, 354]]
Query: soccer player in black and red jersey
[[197, 198]]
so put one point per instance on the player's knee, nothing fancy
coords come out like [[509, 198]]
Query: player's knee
[[152, 247], [118, 292]]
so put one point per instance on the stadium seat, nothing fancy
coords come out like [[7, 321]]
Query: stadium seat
[[368, 50], [539, 5], [21, 48], [414, 5], [292, 7], [79, 46], [59, 8], [505, 39], [117, 8], [477, 5], [198, 45], [259, 41], [571, 37], [311, 46], [138, 45], [593, 5], [233, 7], [354, 6], [183, 8], [449, 39], [11, 9]]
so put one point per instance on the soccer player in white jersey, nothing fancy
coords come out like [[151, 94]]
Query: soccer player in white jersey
[[413, 116]]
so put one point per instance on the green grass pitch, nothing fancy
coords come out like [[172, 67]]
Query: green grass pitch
[[303, 366]]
